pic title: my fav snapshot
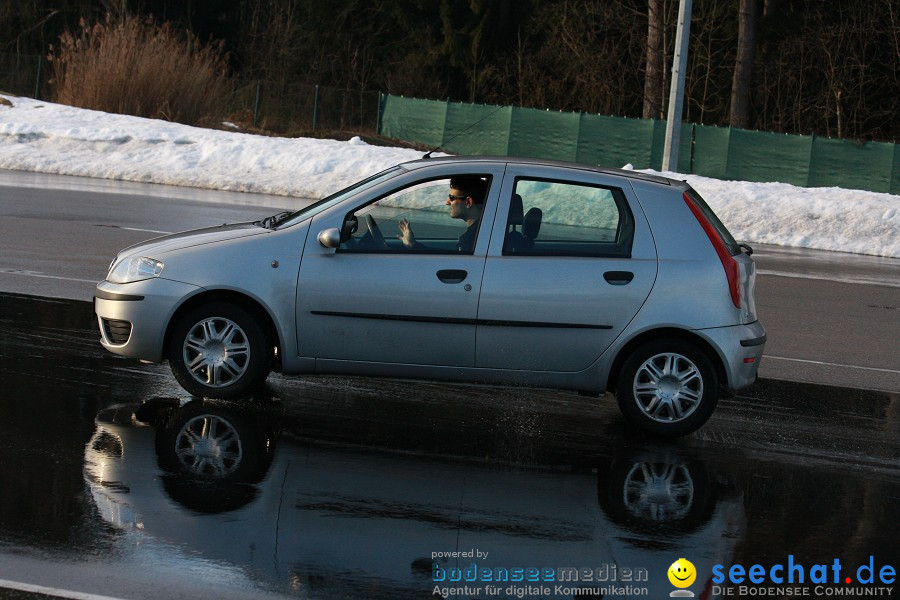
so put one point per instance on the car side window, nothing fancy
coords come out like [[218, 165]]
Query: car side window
[[421, 208], [557, 218]]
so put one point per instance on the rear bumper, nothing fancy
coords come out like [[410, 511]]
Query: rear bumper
[[741, 349]]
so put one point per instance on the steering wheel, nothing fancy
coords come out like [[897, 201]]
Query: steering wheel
[[374, 231]]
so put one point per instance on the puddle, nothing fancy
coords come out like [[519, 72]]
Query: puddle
[[352, 487]]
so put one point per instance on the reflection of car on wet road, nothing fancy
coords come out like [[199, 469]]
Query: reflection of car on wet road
[[220, 482], [579, 278]]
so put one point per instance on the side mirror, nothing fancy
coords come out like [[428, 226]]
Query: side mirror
[[330, 238], [746, 248]]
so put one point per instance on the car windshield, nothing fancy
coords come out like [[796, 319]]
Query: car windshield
[[324, 203]]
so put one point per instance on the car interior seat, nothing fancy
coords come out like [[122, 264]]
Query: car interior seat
[[531, 226], [514, 237]]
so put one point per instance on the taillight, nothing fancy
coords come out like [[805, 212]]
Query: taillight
[[732, 270]]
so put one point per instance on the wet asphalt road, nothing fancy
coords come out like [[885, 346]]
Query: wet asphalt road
[[351, 487]]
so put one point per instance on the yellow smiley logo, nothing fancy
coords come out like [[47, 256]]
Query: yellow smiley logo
[[682, 573]]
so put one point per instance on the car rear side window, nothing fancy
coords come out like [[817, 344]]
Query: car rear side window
[[559, 218], [730, 243]]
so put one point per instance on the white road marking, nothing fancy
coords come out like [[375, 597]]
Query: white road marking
[[854, 280], [819, 362], [39, 274], [39, 589]]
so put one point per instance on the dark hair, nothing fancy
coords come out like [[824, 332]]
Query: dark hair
[[472, 186]]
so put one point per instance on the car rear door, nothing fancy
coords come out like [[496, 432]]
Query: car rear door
[[560, 287]]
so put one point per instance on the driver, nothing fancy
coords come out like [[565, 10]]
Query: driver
[[466, 201]]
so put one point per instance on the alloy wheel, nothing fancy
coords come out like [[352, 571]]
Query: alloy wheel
[[216, 352], [658, 492], [668, 387], [209, 446]]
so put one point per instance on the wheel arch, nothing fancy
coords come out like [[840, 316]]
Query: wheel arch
[[251, 305], [666, 333]]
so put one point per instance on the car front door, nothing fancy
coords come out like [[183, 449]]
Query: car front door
[[374, 300], [570, 263]]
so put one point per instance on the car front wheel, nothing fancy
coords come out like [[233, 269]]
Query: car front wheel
[[668, 387], [218, 351]]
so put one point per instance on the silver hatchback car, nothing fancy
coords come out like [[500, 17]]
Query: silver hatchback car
[[492, 270]]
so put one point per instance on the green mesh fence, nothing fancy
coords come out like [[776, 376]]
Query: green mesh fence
[[543, 134], [720, 152], [712, 160], [605, 140], [491, 123], [413, 120], [685, 147], [763, 156], [842, 163]]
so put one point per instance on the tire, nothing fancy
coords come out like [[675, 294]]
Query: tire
[[668, 387], [207, 441], [212, 457], [656, 491], [218, 351]]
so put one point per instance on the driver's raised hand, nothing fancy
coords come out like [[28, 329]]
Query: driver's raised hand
[[406, 234]]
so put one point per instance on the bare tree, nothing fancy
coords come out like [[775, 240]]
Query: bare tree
[[743, 65], [654, 74], [711, 66]]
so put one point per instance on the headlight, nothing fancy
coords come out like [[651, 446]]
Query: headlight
[[134, 269]]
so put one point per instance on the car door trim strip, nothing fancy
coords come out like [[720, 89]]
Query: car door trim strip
[[456, 321]]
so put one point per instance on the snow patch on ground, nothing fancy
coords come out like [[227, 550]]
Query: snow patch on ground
[[51, 138]]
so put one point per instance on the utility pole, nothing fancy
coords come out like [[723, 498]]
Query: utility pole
[[676, 91]]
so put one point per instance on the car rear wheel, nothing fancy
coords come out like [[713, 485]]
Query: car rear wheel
[[656, 490], [218, 351], [668, 387]]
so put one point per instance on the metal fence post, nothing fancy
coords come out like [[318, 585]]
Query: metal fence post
[[379, 113], [315, 108], [256, 106], [693, 146], [37, 80]]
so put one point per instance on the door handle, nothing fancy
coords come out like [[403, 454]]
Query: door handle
[[618, 277], [452, 275]]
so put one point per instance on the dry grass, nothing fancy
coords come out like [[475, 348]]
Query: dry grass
[[136, 67]]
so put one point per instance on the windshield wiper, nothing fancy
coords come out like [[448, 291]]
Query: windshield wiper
[[272, 222]]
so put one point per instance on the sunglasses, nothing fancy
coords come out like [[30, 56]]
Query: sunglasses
[[453, 197]]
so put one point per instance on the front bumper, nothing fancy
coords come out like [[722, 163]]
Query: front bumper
[[741, 349], [133, 317]]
